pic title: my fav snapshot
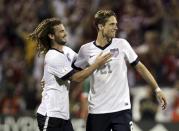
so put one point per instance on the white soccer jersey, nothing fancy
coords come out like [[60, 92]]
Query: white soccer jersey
[[109, 90], [55, 95]]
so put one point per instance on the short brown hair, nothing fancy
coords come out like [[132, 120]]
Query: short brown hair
[[101, 17]]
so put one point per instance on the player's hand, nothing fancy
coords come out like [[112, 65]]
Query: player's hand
[[103, 58], [162, 99]]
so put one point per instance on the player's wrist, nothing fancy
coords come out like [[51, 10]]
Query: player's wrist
[[157, 89], [96, 65]]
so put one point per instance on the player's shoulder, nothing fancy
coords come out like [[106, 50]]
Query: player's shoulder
[[87, 45], [67, 49], [119, 40], [53, 55], [53, 52]]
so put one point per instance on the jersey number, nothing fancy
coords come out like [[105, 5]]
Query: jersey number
[[106, 69]]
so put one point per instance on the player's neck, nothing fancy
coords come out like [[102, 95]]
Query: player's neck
[[58, 47], [102, 41]]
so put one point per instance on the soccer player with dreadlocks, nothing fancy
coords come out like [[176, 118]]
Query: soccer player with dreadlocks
[[53, 112]]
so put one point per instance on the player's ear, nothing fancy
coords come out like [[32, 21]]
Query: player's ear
[[51, 36], [100, 26]]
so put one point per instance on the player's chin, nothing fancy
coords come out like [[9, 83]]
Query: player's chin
[[113, 34], [62, 42]]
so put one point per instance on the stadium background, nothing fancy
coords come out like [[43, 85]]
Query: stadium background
[[151, 26]]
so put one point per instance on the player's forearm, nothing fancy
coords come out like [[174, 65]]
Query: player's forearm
[[81, 75], [144, 72]]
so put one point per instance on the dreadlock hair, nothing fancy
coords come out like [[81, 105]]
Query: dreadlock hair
[[40, 34], [101, 17]]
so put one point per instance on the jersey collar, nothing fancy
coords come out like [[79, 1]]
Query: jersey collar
[[56, 50], [104, 47]]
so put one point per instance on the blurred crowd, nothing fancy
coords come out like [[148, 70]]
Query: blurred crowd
[[151, 27]]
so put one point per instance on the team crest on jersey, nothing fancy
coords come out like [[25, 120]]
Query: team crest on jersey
[[114, 52]]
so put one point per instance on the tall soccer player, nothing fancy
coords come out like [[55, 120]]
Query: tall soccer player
[[109, 99], [53, 112]]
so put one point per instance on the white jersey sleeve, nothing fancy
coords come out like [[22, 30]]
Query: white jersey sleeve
[[81, 60], [59, 66], [130, 54]]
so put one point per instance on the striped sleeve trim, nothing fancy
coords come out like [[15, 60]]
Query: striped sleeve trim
[[68, 75], [134, 63], [46, 124], [75, 67]]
